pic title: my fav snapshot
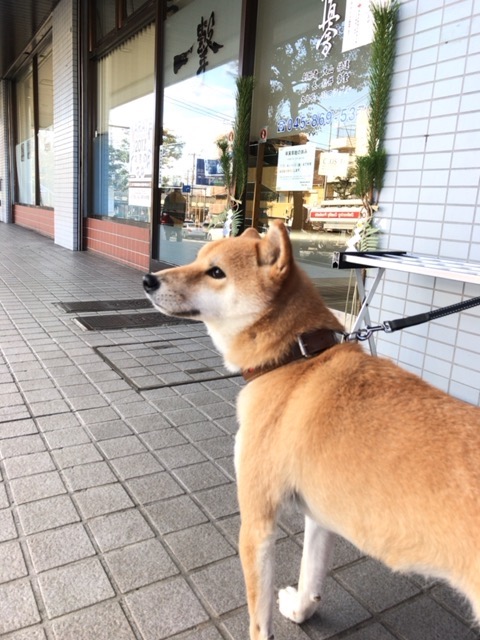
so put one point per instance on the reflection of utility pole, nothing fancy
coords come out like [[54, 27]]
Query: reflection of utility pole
[[191, 182]]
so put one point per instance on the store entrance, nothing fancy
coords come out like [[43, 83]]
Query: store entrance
[[200, 72]]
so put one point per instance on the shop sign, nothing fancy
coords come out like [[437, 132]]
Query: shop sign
[[333, 165], [295, 168], [327, 26], [200, 37], [335, 214]]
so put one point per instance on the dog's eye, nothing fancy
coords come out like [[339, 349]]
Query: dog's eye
[[216, 273]]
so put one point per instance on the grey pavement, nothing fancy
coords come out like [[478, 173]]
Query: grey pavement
[[118, 510]]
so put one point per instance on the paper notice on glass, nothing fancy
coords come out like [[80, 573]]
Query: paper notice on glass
[[358, 30], [295, 168]]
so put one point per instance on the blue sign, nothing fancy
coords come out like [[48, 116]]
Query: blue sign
[[186, 188]]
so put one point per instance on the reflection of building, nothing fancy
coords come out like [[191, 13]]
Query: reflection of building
[[74, 77]]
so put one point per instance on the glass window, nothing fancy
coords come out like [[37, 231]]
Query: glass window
[[124, 130], [25, 138], [200, 72], [105, 14], [45, 128], [309, 122], [134, 5]]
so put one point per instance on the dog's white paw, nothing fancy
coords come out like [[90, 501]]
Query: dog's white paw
[[294, 607]]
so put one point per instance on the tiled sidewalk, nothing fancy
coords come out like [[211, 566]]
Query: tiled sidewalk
[[118, 512]]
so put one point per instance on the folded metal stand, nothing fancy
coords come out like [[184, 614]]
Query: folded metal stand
[[401, 261]]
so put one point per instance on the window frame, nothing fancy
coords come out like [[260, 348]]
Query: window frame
[[32, 61]]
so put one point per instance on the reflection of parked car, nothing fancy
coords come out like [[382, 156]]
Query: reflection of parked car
[[215, 232], [191, 230]]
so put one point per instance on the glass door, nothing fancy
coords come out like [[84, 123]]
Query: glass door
[[200, 71]]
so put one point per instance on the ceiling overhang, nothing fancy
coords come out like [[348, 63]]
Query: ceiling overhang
[[21, 21]]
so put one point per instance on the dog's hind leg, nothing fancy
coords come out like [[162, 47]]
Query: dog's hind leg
[[257, 547], [299, 605]]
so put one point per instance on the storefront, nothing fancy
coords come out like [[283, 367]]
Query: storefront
[[111, 112], [153, 91]]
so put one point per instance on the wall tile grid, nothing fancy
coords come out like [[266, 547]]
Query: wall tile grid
[[430, 201], [65, 66]]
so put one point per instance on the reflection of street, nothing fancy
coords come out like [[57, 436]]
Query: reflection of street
[[312, 250], [184, 252]]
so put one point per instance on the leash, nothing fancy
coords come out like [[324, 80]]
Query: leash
[[389, 326]]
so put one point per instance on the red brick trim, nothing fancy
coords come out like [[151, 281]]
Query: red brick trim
[[123, 243], [35, 218]]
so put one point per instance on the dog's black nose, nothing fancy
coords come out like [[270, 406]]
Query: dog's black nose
[[150, 282]]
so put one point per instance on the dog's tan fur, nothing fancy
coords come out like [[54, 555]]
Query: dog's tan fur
[[372, 452]]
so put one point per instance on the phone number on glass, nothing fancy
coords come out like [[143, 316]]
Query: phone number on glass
[[317, 120]]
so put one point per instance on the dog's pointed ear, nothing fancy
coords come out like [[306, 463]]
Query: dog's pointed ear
[[250, 232], [276, 249]]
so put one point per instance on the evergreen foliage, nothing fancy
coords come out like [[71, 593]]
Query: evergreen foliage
[[371, 168], [234, 154]]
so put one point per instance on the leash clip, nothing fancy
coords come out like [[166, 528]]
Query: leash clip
[[363, 334]]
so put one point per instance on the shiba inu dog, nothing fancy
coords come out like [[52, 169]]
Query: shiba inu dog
[[370, 451]]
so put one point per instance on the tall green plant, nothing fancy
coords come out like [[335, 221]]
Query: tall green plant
[[371, 168], [233, 154]]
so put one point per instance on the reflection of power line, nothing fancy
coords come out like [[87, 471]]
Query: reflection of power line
[[204, 111]]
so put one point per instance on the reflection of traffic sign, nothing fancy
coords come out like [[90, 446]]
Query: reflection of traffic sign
[[263, 135], [186, 188]]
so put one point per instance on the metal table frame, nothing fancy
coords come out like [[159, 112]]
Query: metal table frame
[[448, 269]]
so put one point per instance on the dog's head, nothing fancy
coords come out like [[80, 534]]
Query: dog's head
[[231, 280]]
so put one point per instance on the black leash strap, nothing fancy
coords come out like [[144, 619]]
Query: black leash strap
[[389, 326]]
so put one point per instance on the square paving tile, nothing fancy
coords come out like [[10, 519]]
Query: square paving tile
[[203, 475], [17, 606], [424, 619], [119, 529], [29, 464], [47, 514], [8, 530], [97, 501], [89, 475], [12, 563], [57, 547], [222, 585], [375, 585], [165, 608], [175, 514], [74, 586], [199, 546], [104, 621], [140, 564], [154, 487], [41, 485], [139, 464]]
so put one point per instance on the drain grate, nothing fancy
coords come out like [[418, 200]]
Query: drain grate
[[167, 363], [104, 305], [127, 321]]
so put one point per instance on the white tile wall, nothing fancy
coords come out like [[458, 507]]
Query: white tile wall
[[431, 200], [65, 107]]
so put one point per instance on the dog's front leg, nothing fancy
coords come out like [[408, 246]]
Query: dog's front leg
[[299, 605], [257, 546]]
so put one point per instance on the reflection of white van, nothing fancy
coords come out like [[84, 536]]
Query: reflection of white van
[[214, 232], [335, 215]]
